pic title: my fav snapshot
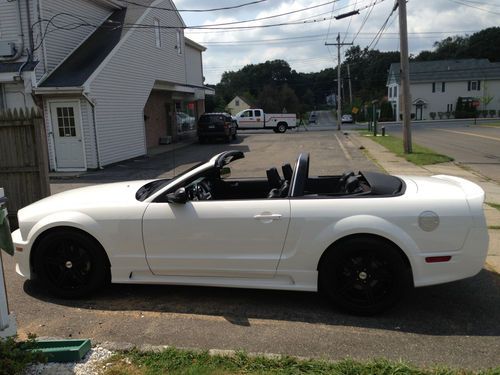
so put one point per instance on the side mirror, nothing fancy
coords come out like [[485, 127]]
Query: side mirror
[[180, 196]]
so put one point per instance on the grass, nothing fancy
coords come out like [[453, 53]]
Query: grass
[[175, 361], [495, 227], [492, 124], [420, 156], [494, 205]]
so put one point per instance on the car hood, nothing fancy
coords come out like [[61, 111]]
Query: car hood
[[112, 194]]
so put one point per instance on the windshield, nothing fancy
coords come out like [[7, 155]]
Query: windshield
[[152, 187]]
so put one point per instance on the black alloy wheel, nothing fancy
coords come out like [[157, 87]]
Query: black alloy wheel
[[70, 264], [364, 276]]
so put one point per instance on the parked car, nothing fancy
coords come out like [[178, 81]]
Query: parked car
[[361, 238], [347, 119], [257, 119], [312, 118], [216, 125]]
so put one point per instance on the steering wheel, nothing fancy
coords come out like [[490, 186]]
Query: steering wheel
[[204, 190]]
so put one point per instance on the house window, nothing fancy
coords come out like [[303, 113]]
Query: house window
[[443, 86], [474, 86], [157, 33], [237, 103], [395, 91], [433, 86], [390, 92], [179, 40], [66, 122]]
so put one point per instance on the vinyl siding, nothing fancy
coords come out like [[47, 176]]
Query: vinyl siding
[[122, 87], [194, 71], [9, 29], [60, 43]]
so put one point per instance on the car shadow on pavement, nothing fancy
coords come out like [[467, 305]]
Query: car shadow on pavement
[[469, 307]]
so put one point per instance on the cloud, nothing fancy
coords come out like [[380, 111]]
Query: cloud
[[304, 44]]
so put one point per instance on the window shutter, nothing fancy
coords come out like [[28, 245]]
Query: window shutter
[[468, 85], [478, 85]]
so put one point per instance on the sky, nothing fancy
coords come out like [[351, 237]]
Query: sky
[[302, 44]]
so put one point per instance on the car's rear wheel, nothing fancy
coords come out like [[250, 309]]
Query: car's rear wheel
[[364, 275], [70, 264], [281, 127]]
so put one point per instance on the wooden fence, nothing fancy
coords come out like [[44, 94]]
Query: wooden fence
[[23, 159]]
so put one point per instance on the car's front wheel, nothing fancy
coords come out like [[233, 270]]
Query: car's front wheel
[[364, 275], [70, 264]]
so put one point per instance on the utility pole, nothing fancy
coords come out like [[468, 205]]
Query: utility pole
[[339, 97], [405, 76], [350, 87]]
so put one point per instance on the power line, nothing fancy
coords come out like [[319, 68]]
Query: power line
[[195, 10], [474, 7]]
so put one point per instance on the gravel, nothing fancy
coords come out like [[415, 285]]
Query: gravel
[[90, 364]]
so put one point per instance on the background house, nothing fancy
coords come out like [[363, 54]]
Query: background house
[[435, 86], [238, 104], [109, 90]]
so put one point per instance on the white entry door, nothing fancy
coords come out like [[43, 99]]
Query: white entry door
[[67, 132]]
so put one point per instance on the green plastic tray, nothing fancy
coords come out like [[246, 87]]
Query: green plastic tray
[[63, 350]]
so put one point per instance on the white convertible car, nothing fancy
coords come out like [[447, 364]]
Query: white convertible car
[[360, 238]]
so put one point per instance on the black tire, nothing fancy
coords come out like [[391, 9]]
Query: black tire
[[275, 130], [70, 264], [364, 276], [281, 127]]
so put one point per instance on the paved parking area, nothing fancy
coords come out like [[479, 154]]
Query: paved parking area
[[454, 324]]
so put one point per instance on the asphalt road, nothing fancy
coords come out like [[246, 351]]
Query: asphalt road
[[475, 147], [455, 324]]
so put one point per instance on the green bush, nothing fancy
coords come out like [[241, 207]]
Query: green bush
[[433, 115], [15, 355], [492, 112]]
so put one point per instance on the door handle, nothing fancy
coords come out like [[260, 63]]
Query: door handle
[[268, 217]]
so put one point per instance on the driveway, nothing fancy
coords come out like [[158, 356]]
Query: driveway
[[454, 324]]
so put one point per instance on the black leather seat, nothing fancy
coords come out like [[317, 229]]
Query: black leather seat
[[287, 171], [273, 178]]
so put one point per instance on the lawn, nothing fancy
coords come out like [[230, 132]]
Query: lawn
[[420, 155], [175, 361]]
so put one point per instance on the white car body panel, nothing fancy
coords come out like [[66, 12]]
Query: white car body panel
[[221, 243]]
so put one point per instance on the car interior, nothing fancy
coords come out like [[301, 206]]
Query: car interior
[[291, 183]]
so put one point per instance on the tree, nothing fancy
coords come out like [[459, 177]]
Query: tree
[[386, 113]]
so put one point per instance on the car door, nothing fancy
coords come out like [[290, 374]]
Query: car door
[[225, 238], [246, 120], [259, 118]]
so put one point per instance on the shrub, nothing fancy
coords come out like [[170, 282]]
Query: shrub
[[448, 114], [433, 115], [492, 112], [15, 356], [440, 114]]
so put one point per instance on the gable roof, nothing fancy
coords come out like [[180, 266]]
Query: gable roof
[[448, 70], [75, 70], [245, 100]]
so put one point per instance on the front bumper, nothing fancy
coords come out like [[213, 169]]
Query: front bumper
[[21, 255]]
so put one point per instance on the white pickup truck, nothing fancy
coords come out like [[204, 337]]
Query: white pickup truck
[[257, 119]]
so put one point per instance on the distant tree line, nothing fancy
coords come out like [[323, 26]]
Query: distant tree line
[[275, 87]]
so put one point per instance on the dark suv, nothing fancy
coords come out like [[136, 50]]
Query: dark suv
[[216, 125]]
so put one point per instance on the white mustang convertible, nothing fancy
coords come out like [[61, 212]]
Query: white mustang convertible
[[360, 238]]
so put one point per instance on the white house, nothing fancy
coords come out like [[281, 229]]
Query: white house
[[238, 104], [435, 86], [112, 79]]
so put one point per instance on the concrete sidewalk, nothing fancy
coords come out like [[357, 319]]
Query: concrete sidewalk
[[397, 165]]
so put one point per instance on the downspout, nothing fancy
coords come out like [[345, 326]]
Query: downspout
[[30, 32], [19, 51], [92, 104]]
